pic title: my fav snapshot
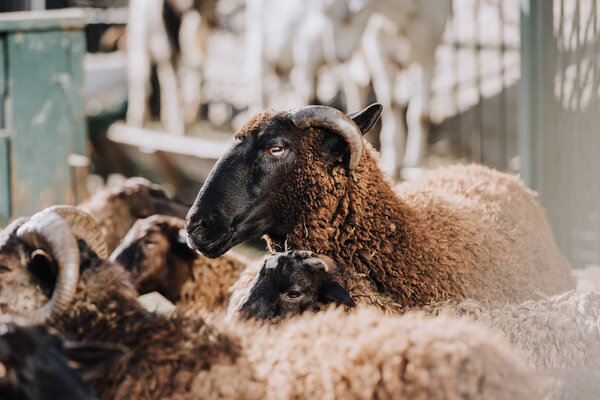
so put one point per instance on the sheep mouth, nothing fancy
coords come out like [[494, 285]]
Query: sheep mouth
[[214, 248]]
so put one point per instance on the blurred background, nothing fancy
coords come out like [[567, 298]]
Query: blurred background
[[93, 88]]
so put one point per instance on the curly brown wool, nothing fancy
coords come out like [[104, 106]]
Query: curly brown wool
[[117, 207], [454, 233]]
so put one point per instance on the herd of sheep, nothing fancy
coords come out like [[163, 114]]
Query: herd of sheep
[[446, 287]]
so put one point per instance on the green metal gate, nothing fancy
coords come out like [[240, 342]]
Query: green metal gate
[[559, 119], [42, 118]]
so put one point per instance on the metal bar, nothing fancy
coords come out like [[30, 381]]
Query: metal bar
[[536, 21], [5, 209]]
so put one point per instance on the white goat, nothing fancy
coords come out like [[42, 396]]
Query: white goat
[[402, 33], [294, 38], [147, 43]]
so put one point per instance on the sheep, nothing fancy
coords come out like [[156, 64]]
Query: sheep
[[156, 253], [560, 332], [364, 355], [34, 363], [302, 179], [116, 208], [287, 284]]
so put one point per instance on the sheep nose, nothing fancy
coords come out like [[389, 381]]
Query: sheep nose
[[196, 226]]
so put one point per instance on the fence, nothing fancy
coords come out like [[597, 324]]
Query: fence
[[474, 95], [559, 119]]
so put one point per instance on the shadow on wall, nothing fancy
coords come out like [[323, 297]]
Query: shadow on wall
[[484, 133]]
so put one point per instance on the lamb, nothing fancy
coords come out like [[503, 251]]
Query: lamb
[[372, 355], [116, 208], [156, 253], [34, 363], [560, 332], [302, 179]]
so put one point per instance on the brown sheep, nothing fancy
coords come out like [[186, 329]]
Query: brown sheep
[[330, 355], [302, 179], [117, 207], [156, 253]]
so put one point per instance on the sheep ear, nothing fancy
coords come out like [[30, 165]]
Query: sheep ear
[[366, 118], [90, 359], [333, 291]]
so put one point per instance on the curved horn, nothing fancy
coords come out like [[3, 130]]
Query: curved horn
[[335, 121], [83, 226], [49, 231]]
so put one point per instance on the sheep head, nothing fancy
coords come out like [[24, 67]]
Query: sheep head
[[156, 254], [37, 364], [39, 257], [143, 199], [292, 282], [256, 186]]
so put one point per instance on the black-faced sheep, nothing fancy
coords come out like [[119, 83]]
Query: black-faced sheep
[[302, 179], [560, 332], [156, 253], [329, 355], [116, 208], [292, 282], [35, 364]]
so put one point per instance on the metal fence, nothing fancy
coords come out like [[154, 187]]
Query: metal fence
[[474, 95], [559, 119]]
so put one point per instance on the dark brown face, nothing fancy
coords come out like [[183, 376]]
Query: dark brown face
[[292, 282], [27, 275], [156, 254], [35, 364], [257, 186]]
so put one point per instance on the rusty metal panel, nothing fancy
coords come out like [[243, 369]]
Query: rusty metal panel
[[40, 88]]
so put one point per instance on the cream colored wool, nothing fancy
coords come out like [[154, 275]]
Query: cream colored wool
[[329, 355], [560, 332], [364, 355]]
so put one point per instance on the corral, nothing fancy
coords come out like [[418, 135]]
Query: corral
[[299, 199]]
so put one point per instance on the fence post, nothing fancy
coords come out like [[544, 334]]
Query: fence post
[[536, 84]]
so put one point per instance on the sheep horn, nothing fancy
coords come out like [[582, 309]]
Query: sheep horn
[[49, 231], [83, 226], [335, 121]]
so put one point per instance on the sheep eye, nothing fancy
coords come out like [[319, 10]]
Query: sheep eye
[[4, 268], [276, 151], [294, 294]]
